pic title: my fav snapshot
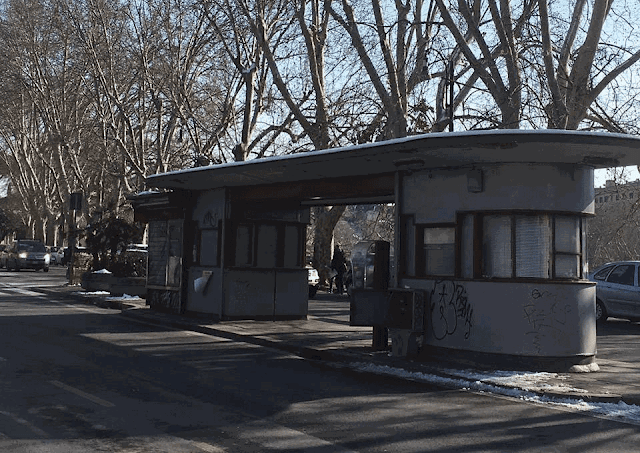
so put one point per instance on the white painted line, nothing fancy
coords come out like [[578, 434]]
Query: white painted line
[[25, 292], [277, 437], [86, 395], [207, 447], [91, 309], [23, 422]]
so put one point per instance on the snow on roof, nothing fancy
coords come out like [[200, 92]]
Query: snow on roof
[[427, 151]]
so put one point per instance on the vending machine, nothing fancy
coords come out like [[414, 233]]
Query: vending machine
[[370, 265], [369, 295]]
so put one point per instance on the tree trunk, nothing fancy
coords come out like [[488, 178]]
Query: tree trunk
[[325, 222]]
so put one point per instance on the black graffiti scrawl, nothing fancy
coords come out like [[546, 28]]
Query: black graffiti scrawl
[[450, 309]]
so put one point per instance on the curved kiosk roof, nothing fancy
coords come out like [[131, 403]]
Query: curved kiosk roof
[[429, 151]]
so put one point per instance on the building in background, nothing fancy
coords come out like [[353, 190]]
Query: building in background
[[613, 232]]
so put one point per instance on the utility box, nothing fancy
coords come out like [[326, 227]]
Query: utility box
[[405, 320], [406, 310]]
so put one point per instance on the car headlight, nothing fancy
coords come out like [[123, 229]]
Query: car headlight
[[22, 255]]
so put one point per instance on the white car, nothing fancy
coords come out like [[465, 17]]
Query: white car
[[55, 255], [314, 279]]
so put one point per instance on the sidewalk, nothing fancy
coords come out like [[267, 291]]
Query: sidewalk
[[326, 335]]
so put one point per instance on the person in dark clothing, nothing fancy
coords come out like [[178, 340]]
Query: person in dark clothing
[[339, 264]]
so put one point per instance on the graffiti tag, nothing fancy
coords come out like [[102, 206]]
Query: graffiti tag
[[544, 320], [449, 306], [537, 294], [210, 219]]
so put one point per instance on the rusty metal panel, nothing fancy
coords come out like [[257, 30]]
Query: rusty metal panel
[[164, 300]]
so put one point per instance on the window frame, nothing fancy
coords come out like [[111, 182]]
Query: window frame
[[199, 248], [254, 234], [474, 244], [420, 249]]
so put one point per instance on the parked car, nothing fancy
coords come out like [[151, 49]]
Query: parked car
[[66, 254], [617, 290], [3, 255], [28, 254], [55, 255], [314, 279]]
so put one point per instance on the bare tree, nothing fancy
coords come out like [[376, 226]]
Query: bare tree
[[307, 100], [563, 64], [42, 139], [586, 64]]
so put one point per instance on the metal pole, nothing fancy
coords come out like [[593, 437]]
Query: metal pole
[[450, 77], [72, 245]]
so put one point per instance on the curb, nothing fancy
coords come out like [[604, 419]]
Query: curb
[[97, 300], [343, 360]]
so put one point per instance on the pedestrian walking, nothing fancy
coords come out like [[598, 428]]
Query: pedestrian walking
[[339, 264]]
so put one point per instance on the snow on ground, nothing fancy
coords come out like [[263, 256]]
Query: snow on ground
[[123, 297], [521, 385], [107, 293], [92, 293]]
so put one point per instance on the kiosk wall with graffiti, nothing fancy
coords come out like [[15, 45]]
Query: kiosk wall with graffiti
[[502, 262]]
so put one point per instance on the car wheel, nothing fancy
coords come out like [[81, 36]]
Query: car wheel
[[601, 312]]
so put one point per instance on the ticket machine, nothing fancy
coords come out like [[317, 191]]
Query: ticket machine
[[370, 265]]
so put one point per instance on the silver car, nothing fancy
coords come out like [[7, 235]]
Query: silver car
[[617, 290], [28, 254]]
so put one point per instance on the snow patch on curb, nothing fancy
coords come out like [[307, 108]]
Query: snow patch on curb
[[512, 384], [123, 297]]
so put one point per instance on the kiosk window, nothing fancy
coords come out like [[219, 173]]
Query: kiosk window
[[532, 246], [466, 241], [291, 246], [496, 247], [267, 246], [567, 247], [243, 255], [439, 250]]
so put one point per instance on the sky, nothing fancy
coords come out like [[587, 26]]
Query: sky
[[624, 173]]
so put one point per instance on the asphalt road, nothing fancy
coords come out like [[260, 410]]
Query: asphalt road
[[78, 378]]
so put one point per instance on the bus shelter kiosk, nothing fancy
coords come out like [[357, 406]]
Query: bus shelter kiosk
[[490, 261]]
